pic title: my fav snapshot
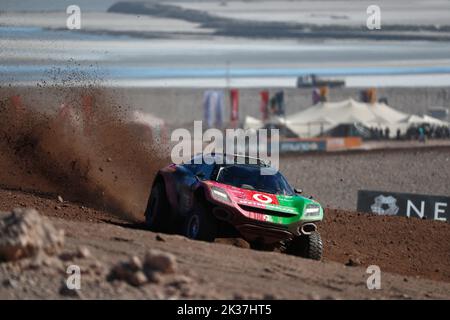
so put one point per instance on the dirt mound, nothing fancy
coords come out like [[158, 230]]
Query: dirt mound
[[400, 245], [25, 233], [85, 148], [138, 273], [204, 271]]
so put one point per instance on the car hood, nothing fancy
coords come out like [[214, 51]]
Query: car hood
[[294, 204]]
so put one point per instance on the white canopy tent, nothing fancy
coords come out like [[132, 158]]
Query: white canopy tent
[[433, 121], [412, 119], [426, 119], [325, 116], [252, 123]]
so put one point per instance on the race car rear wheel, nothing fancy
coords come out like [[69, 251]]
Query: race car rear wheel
[[157, 213], [201, 224], [307, 246]]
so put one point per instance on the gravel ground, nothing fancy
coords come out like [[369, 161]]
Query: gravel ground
[[334, 179], [204, 271], [364, 239]]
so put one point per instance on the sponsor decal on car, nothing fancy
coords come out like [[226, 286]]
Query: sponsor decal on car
[[262, 198], [282, 209]]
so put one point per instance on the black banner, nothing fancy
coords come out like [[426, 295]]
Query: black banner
[[404, 204], [219, 309]]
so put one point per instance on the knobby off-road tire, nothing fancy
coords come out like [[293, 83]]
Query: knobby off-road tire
[[201, 224], [307, 246], [157, 214]]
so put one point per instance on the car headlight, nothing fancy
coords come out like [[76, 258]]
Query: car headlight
[[220, 194], [312, 210]]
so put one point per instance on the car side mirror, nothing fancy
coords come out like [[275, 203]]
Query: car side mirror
[[299, 191]]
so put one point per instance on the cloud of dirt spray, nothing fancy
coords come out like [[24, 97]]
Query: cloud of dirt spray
[[85, 147]]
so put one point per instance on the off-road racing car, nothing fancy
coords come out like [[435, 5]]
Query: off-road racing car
[[215, 194]]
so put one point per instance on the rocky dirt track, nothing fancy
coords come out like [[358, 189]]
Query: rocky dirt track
[[103, 183], [214, 270]]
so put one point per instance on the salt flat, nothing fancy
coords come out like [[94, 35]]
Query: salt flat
[[338, 12]]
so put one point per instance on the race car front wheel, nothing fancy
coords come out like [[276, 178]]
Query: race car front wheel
[[307, 246], [200, 224], [157, 213]]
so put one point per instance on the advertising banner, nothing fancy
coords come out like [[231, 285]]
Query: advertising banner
[[404, 204], [302, 145]]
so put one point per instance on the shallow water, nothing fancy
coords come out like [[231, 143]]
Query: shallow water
[[31, 54]]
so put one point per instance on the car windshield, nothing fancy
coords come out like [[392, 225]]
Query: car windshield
[[249, 177]]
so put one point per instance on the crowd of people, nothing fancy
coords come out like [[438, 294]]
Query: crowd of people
[[427, 132], [379, 134], [416, 132]]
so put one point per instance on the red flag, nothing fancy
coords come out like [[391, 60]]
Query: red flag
[[264, 104]]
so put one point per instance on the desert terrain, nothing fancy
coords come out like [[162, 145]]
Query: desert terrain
[[94, 187]]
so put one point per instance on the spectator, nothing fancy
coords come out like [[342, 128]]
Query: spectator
[[421, 134]]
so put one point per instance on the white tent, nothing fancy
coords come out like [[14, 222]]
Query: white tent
[[252, 123], [434, 121], [412, 119], [349, 111], [386, 113], [325, 116], [417, 120]]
